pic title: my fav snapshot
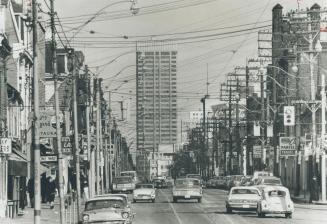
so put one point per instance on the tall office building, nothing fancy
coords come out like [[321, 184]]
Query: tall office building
[[156, 99]]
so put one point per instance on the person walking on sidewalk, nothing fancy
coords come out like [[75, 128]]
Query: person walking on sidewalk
[[30, 189], [52, 191]]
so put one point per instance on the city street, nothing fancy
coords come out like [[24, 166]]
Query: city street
[[212, 210]]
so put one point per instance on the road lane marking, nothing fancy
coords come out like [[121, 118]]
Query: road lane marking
[[172, 208]]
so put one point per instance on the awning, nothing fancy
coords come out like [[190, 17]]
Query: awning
[[17, 165]]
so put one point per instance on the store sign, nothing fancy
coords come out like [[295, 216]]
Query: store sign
[[46, 128], [5, 146], [49, 158], [287, 146], [67, 147]]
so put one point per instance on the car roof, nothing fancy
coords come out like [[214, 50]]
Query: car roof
[[245, 187], [113, 197], [106, 195]]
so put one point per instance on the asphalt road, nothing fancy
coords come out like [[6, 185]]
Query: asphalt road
[[212, 210]]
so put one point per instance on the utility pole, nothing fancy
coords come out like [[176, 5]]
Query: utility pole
[[101, 151], [230, 131], [323, 134], [76, 145], [88, 135], [109, 139], [36, 126], [238, 138], [97, 152], [247, 148], [57, 110], [262, 130]]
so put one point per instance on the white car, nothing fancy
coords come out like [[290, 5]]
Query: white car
[[144, 192], [187, 189], [243, 198], [275, 200], [107, 209]]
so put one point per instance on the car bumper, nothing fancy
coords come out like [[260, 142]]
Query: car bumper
[[108, 222], [243, 206], [125, 189], [267, 211], [187, 197], [144, 197]]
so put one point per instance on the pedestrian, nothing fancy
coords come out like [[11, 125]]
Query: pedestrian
[[44, 188], [30, 189], [51, 191]]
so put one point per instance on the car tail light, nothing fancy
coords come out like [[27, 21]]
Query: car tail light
[[124, 215]]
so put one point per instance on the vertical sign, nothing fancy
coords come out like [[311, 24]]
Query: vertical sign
[[5, 146]]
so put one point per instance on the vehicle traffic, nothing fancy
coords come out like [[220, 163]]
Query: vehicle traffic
[[144, 192], [275, 200], [243, 198], [123, 184], [107, 209], [132, 174], [187, 189]]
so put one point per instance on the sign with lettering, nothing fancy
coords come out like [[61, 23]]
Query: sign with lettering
[[287, 146], [46, 121], [49, 158], [67, 147], [257, 152], [5, 146]]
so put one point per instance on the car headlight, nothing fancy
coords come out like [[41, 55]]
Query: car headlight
[[124, 215], [86, 218]]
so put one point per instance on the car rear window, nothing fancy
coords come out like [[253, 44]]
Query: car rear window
[[122, 180], [187, 183], [277, 193], [245, 191], [101, 204]]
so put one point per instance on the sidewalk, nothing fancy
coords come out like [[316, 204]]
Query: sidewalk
[[48, 216]]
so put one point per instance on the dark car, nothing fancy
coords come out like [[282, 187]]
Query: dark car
[[159, 183]]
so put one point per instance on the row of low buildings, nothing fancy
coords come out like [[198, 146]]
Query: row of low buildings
[[247, 130], [16, 114]]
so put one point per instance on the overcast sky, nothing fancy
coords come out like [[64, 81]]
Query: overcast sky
[[158, 17]]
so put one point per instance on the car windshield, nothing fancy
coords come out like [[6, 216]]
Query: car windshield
[[245, 191], [148, 186], [272, 181], [187, 183], [122, 180], [101, 204], [277, 193]]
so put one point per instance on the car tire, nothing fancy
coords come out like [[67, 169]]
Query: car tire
[[134, 201], [174, 200], [199, 200], [153, 200], [288, 215], [261, 215], [229, 210]]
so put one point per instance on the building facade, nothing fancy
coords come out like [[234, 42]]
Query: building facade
[[156, 99]]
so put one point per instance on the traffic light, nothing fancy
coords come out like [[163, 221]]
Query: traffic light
[[289, 116]]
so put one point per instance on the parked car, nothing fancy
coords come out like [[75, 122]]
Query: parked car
[[144, 192], [170, 182], [227, 180], [187, 189], [107, 209], [123, 184], [243, 198], [275, 200], [123, 196], [220, 182]]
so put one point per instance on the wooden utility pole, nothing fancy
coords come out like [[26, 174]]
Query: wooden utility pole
[[36, 116], [97, 152], [57, 109], [76, 145]]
